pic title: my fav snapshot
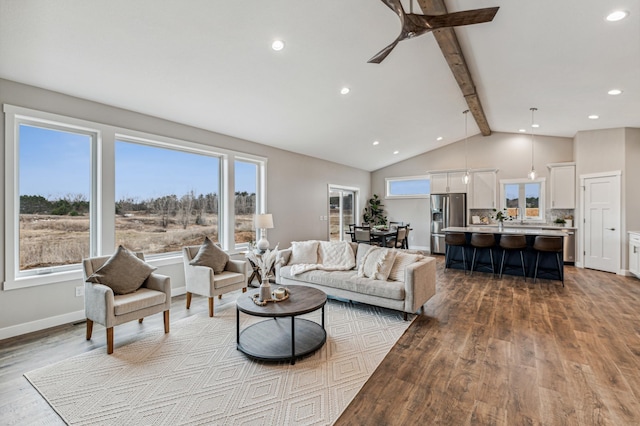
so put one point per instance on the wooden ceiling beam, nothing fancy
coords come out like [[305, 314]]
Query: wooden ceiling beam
[[448, 42]]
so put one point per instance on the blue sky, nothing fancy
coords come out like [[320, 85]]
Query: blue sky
[[409, 187], [55, 163]]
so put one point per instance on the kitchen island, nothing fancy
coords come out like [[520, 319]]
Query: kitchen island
[[512, 263]]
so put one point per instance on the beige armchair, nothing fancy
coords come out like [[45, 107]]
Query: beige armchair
[[103, 306], [203, 281]]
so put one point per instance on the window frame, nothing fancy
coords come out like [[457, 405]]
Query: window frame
[[102, 219], [389, 180], [524, 181], [261, 191]]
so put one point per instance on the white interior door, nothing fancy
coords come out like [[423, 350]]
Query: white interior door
[[601, 227]]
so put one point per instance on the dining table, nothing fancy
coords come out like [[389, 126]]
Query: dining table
[[381, 236]]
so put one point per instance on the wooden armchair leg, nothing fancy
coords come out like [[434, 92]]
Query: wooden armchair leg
[[166, 321], [140, 320], [89, 328], [110, 340], [211, 306], [188, 300], [244, 289], [219, 296]]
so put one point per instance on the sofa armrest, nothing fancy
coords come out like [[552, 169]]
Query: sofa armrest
[[282, 259], [98, 303], [239, 266], [159, 283], [420, 283]]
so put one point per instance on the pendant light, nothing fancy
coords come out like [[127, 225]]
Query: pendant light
[[466, 177], [532, 173]]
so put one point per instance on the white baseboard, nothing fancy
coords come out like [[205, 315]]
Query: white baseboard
[[44, 323], [41, 324]]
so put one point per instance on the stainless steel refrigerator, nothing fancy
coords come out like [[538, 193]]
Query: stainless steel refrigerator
[[446, 210]]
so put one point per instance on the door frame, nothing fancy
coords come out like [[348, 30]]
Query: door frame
[[356, 205], [581, 235]]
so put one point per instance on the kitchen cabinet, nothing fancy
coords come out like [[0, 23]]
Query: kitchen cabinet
[[483, 189], [634, 253], [562, 184], [442, 183]]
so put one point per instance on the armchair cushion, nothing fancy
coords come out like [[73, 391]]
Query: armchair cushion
[[211, 256], [124, 272], [137, 301]]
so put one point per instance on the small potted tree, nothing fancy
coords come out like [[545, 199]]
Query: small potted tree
[[374, 213]]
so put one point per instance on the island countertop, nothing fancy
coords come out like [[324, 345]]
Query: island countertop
[[506, 230]]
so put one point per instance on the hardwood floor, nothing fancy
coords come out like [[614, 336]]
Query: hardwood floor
[[486, 352]]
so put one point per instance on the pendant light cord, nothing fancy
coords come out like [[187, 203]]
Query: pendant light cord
[[532, 173]]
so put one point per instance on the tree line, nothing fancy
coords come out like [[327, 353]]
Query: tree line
[[186, 209]]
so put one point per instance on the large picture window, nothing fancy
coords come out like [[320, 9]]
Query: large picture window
[[523, 198], [246, 202], [165, 198], [54, 186], [76, 189]]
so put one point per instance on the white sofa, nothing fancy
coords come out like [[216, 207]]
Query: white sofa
[[415, 284]]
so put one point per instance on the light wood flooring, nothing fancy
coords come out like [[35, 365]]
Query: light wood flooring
[[486, 352]]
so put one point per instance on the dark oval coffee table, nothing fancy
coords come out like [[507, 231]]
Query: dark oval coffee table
[[282, 337]]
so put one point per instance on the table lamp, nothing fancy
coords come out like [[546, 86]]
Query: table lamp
[[263, 222]]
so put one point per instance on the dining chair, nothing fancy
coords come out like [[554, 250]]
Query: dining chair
[[398, 240], [362, 234]]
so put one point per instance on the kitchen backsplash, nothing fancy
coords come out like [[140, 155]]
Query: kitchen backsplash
[[550, 215]]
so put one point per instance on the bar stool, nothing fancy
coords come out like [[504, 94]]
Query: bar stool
[[548, 245], [482, 241], [509, 244], [451, 240]]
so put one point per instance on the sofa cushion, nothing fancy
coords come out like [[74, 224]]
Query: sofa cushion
[[336, 253], [123, 272], [400, 264], [363, 248], [141, 299], [305, 252], [377, 263], [210, 255], [349, 281]]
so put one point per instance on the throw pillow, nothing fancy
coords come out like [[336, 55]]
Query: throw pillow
[[210, 255], [124, 272], [400, 264], [304, 252], [336, 253], [377, 263], [363, 248]]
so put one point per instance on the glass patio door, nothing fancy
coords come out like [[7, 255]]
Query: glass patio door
[[342, 212]]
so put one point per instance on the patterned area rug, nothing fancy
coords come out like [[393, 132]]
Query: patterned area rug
[[195, 375]]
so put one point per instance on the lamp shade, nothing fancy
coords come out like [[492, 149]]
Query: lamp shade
[[264, 221]]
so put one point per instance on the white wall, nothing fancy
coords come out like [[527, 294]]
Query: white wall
[[296, 190], [507, 152]]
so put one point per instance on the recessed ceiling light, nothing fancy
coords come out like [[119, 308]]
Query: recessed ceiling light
[[344, 90], [522, 130], [614, 92], [535, 125], [594, 117], [376, 143], [396, 152], [439, 138], [617, 15], [277, 45]]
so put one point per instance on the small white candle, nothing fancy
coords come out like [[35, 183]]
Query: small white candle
[[279, 293]]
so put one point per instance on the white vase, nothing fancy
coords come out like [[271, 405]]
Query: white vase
[[265, 290], [500, 226]]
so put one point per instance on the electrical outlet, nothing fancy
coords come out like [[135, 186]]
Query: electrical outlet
[[80, 291], [320, 217]]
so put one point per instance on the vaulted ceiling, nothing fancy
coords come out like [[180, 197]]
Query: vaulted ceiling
[[210, 64]]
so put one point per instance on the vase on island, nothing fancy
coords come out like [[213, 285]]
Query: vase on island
[[500, 226], [265, 289]]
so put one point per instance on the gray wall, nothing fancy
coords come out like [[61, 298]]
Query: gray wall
[[507, 152], [296, 190], [607, 150]]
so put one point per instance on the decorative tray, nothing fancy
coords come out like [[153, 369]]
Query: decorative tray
[[256, 297]]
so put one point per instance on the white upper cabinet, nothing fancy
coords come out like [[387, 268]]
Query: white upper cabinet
[[562, 185], [442, 183], [483, 190]]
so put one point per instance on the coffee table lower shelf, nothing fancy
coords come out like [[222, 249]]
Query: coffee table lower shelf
[[271, 340]]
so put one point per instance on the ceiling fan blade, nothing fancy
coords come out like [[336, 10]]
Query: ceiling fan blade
[[395, 5], [379, 57], [455, 19]]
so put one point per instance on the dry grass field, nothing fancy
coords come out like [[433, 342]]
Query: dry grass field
[[48, 240]]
